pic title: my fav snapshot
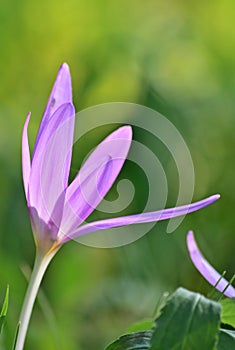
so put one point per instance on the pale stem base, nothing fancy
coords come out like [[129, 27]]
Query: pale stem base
[[40, 266]]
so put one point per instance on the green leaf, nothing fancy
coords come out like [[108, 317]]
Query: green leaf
[[228, 311], [134, 341], [5, 303], [188, 321], [226, 340], [4, 309], [144, 325]]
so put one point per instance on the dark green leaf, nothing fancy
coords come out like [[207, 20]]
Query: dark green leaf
[[134, 341], [226, 340], [4, 309], [188, 321], [228, 311]]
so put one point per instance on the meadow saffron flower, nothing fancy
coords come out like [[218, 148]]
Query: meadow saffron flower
[[58, 210], [207, 271]]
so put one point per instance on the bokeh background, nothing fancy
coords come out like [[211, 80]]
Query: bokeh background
[[177, 57]]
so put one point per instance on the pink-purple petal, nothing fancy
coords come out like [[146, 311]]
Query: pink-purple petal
[[88, 192], [61, 93], [206, 270], [114, 147], [143, 218], [26, 162], [51, 163]]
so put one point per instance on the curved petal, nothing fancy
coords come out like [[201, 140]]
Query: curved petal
[[50, 165], [82, 200], [61, 93], [26, 162], [87, 194], [143, 218], [207, 271]]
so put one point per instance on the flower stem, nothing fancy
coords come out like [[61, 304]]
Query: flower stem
[[40, 265]]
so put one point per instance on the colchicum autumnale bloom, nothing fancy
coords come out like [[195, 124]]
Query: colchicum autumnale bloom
[[207, 271], [57, 209]]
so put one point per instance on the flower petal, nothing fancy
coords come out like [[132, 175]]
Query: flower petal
[[83, 196], [207, 271], [87, 194], [143, 218], [50, 165], [26, 162], [61, 93]]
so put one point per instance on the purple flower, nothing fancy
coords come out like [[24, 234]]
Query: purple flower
[[58, 210], [207, 271]]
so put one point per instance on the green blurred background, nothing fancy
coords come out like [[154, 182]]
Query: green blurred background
[[177, 57]]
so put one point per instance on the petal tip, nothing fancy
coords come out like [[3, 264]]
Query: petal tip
[[63, 81], [128, 131], [28, 117], [64, 67], [214, 198], [124, 132]]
